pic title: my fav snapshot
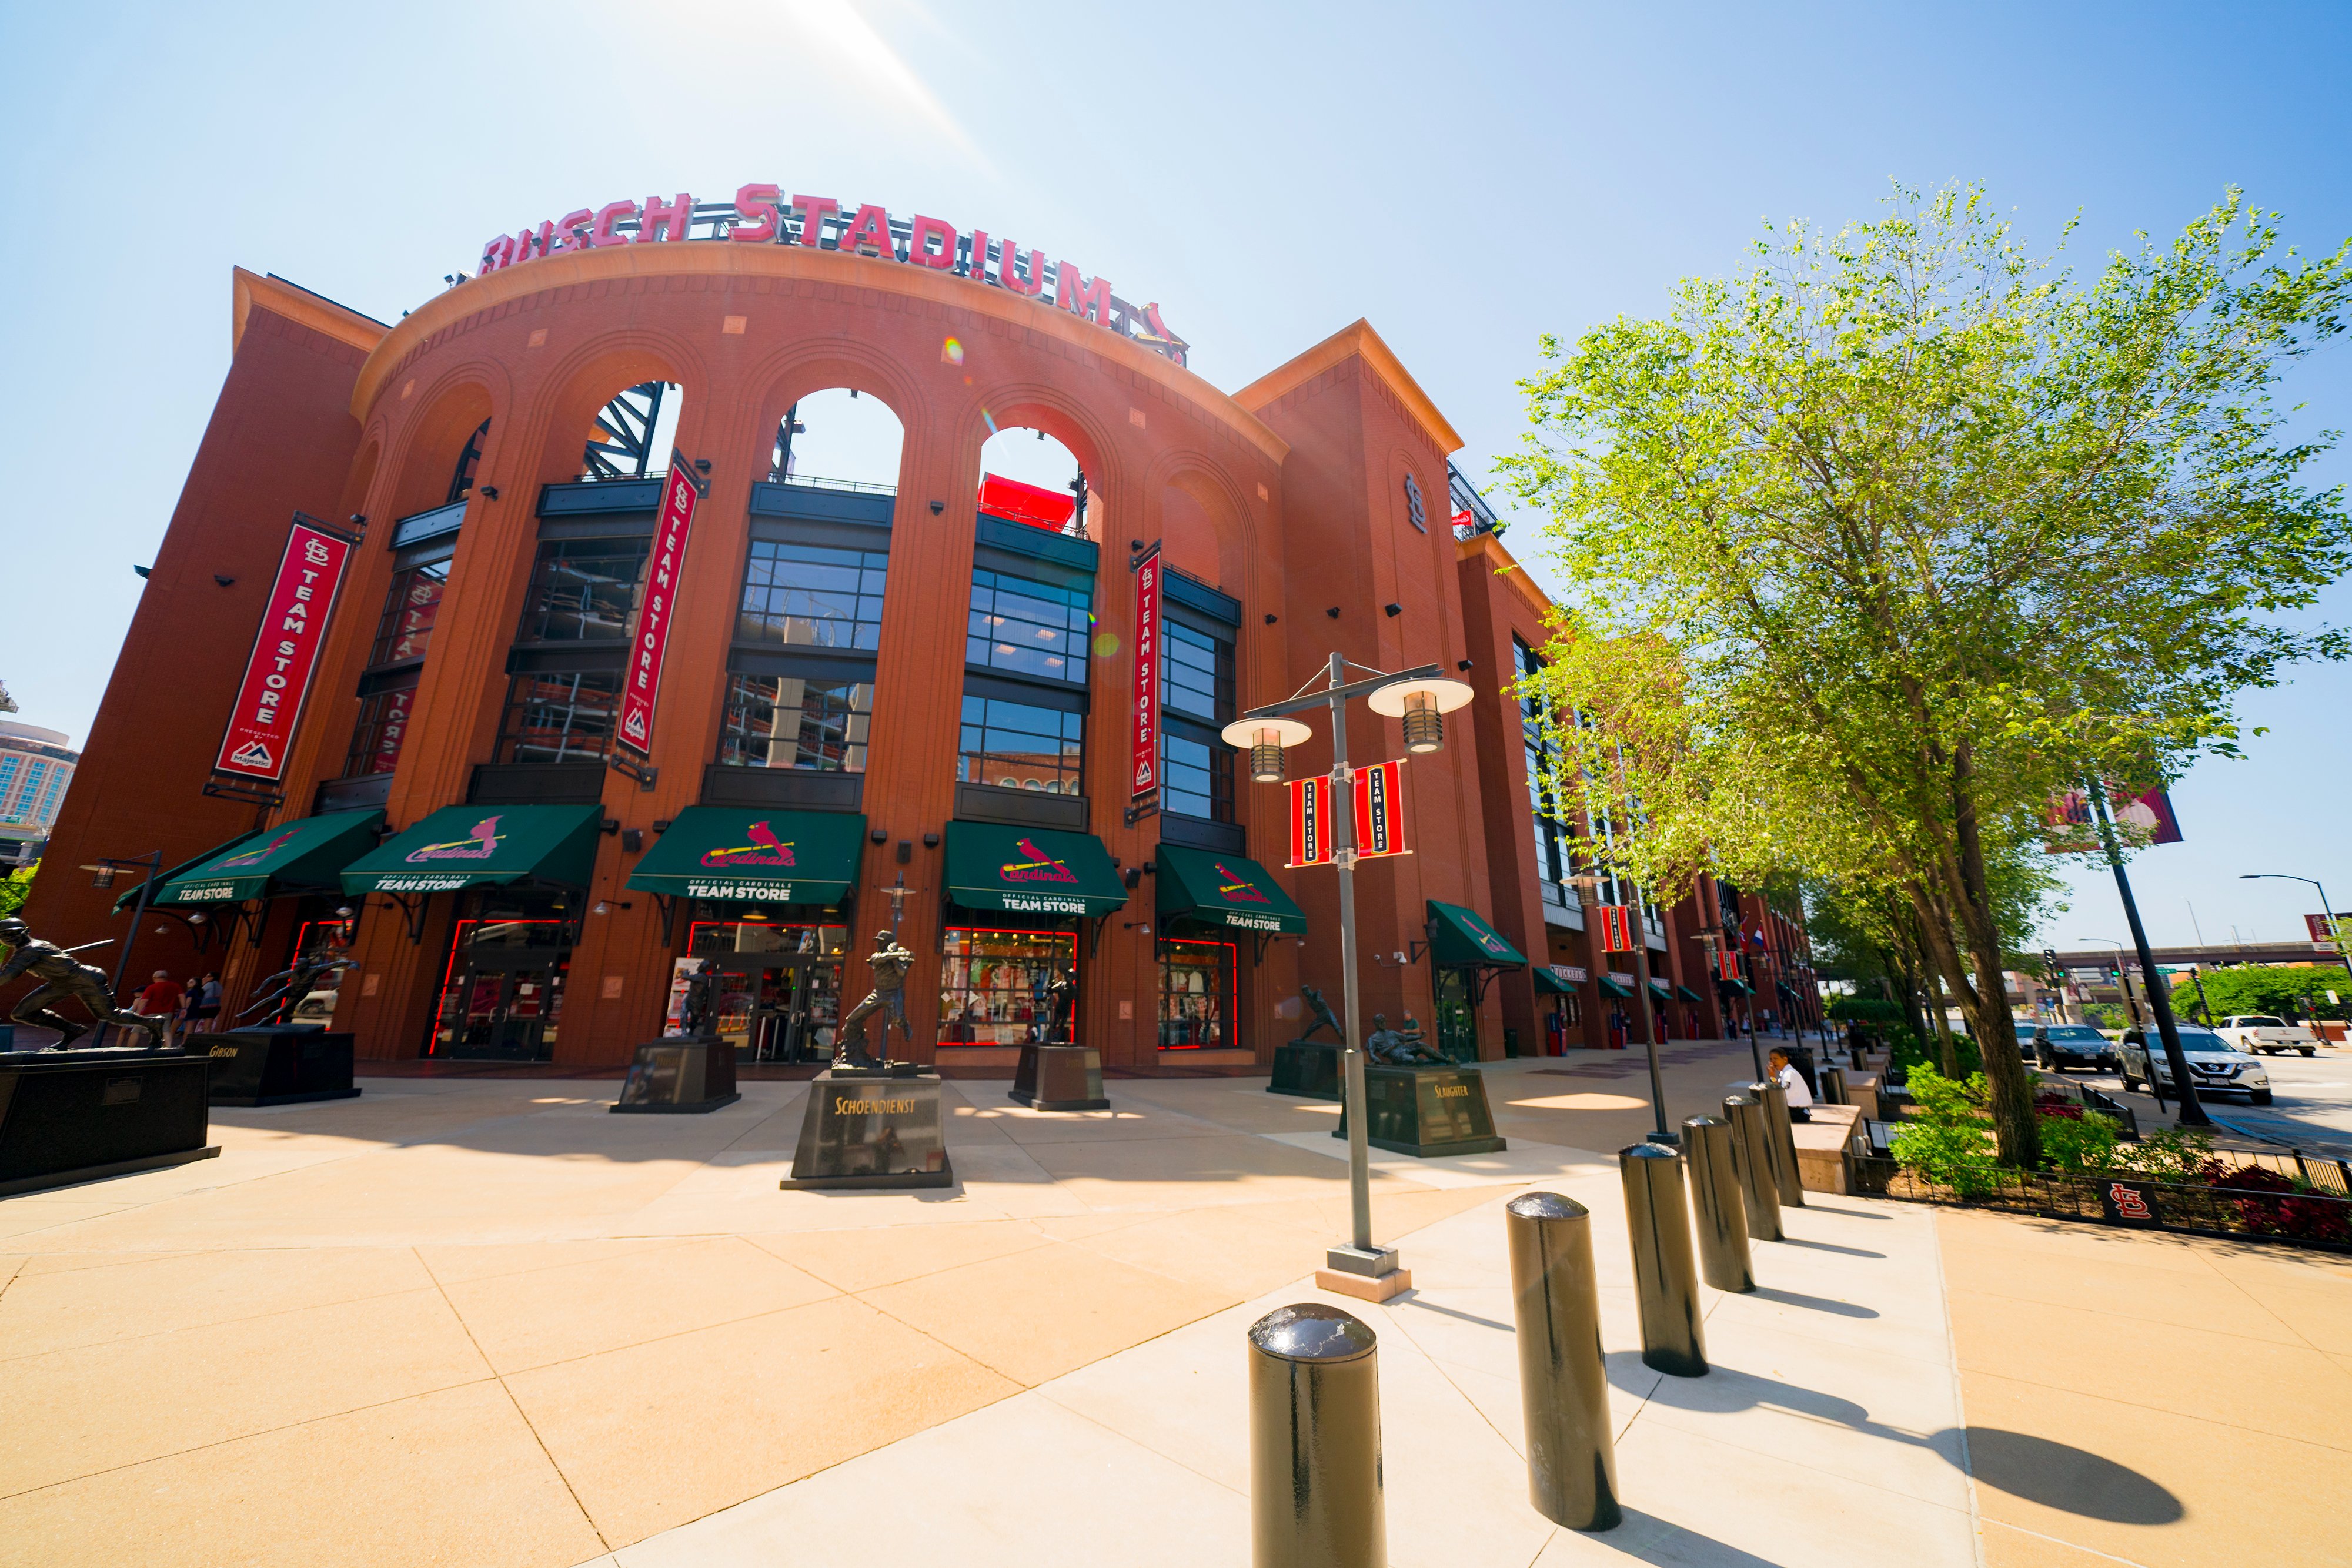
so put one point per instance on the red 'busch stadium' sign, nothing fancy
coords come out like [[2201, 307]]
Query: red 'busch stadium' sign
[[285, 655], [641, 686], [761, 214]]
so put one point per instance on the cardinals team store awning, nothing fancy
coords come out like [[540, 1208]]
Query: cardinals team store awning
[[1463, 938], [476, 846], [300, 856], [1223, 890], [1030, 870], [729, 853], [1549, 983]]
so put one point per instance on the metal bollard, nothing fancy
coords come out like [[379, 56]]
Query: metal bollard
[[1834, 1090], [1751, 1145], [1563, 1387], [1721, 1209], [1315, 1441], [1784, 1145], [1665, 1277]]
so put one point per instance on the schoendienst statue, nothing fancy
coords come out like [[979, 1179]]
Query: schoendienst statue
[[891, 964], [62, 976], [1324, 1017], [1062, 993], [286, 989]]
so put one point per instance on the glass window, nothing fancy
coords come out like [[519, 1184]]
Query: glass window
[[812, 596], [1027, 628], [993, 985], [1197, 996], [1017, 747], [582, 591], [409, 612], [1199, 670], [1554, 852], [383, 727], [791, 721], [561, 717], [1196, 773]]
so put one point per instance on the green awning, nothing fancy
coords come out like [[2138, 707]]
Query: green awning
[[1662, 989], [729, 853], [1548, 983], [300, 856], [1464, 937], [478, 846], [1736, 988], [1223, 890], [1030, 870], [125, 901], [1686, 993], [1609, 988]]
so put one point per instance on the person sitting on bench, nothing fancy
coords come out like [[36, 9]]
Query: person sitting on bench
[[1801, 1096]]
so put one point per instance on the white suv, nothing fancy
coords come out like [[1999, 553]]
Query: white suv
[[2260, 1032], [2218, 1067]]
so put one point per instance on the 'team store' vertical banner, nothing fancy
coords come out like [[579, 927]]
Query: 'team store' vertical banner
[[285, 657]]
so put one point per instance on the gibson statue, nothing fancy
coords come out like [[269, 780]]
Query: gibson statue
[[1324, 1017], [1400, 1047], [286, 991], [892, 963], [61, 975]]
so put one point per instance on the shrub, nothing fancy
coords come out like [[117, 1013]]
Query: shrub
[[1949, 1142], [2175, 1155], [2278, 1205], [2079, 1142]]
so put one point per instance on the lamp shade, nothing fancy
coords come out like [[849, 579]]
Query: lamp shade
[[1391, 701], [1246, 732]]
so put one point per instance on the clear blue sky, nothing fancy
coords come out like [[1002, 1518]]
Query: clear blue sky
[[1466, 176]]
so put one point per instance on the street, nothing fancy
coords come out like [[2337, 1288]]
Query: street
[[2310, 1109]]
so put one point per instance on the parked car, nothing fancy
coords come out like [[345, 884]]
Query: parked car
[[2262, 1032], [2219, 1067], [2059, 1046]]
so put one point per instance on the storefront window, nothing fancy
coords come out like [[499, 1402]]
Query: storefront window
[[993, 985], [1198, 775], [502, 991], [812, 596], [1198, 1002], [1015, 746], [1022, 627], [789, 721], [383, 727], [1553, 835], [563, 716], [777, 986], [582, 591], [409, 611]]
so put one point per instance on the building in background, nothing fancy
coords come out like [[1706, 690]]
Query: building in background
[[36, 765]]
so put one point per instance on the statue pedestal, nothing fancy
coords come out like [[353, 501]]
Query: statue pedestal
[[871, 1127], [1307, 1068], [276, 1064], [1059, 1078], [679, 1077], [1426, 1111], [70, 1116]]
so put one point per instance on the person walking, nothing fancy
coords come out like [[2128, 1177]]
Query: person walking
[[161, 999], [204, 1005]]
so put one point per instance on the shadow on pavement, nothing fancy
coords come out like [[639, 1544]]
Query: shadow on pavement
[[2058, 1476], [1818, 1303], [1829, 1247]]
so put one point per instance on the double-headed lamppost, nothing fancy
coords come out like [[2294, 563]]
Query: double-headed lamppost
[[1420, 698]]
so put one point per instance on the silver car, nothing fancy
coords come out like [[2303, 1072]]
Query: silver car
[[2219, 1068]]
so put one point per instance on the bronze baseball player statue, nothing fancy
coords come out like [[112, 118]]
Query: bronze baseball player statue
[[888, 998], [286, 989], [61, 976]]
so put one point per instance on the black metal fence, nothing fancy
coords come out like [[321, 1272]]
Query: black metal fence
[[2292, 1198]]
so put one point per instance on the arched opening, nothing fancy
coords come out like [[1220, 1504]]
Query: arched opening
[[1028, 477], [632, 435], [839, 438]]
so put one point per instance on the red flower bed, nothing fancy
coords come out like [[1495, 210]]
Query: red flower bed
[[2275, 1206]]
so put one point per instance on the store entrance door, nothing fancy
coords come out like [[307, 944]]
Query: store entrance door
[[777, 1007], [505, 1004], [1457, 1019]]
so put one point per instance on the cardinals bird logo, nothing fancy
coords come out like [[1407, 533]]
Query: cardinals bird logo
[[255, 857], [1236, 887], [479, 845], [1039, 867], [765, 848]]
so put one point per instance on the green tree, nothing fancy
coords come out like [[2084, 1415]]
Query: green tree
[[16, 887], [2297, 990], [1878, 546]]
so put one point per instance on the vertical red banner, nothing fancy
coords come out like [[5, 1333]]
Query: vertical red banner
[[1616, 928], [1310, 822], [1146, 677], [1380, 811], [1728, 964], [664, 567], [285, 655]]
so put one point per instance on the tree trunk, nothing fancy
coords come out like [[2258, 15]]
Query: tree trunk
[[1943, 1046], [1986, 1004]]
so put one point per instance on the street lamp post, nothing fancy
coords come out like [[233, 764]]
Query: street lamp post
[[107, 867], [2123, 984], [1418, 697], [2327, 910], [2160, 1001], [1637, 934]]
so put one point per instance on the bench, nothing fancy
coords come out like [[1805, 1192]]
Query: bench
[[1820, 1147]]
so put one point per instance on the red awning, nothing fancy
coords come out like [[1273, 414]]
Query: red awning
[[1029, 504]]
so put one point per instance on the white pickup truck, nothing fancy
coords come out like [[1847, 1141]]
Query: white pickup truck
[[2261, 1032]]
